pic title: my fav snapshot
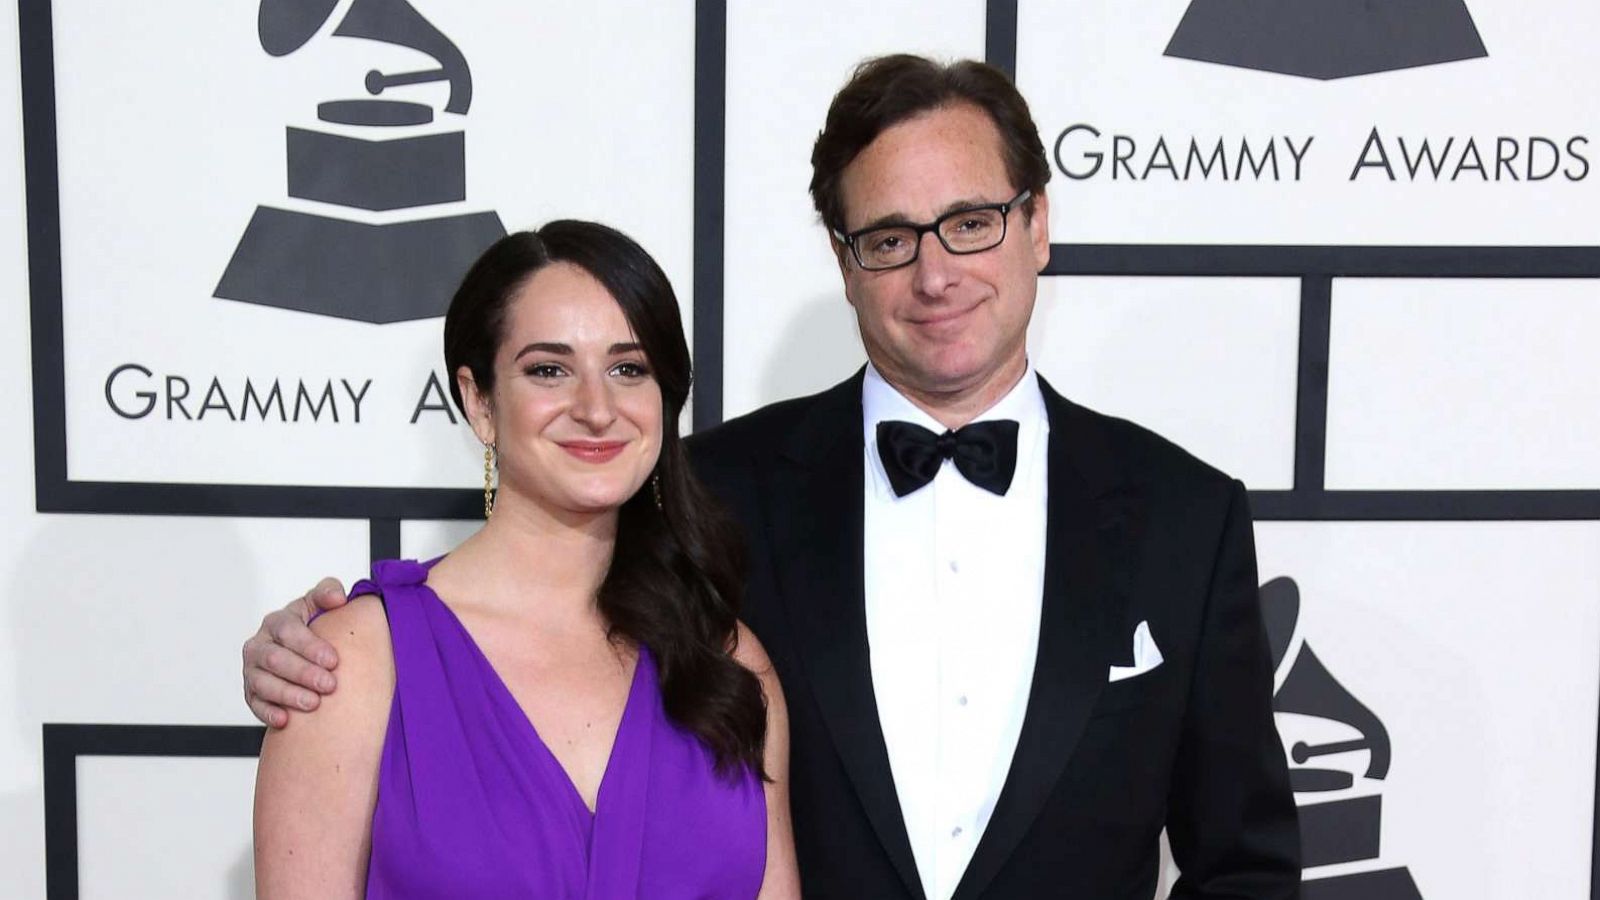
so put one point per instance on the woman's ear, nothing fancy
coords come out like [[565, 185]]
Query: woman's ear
[[480, 412]]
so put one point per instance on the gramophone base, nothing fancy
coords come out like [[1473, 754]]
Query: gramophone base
[[1385, 884], [397, 173], [1326, 39], [1339, 831], [352, 270]]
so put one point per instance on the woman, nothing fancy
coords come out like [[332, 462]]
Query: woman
[[565, 705]]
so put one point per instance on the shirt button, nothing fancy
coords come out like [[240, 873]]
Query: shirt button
[[955, 566], [956, 832], [961, 700]]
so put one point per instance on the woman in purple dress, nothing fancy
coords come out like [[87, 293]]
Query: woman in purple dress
[[565, 705]]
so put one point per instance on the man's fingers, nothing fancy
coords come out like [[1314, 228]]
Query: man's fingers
[[289, 664], [270, 716], [265, 691], [328, 594], [285, 663], [286, 629]]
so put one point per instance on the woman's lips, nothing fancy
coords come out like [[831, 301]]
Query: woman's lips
[[594, 451]]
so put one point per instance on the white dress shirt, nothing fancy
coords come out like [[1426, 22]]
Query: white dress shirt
[[953, 580]]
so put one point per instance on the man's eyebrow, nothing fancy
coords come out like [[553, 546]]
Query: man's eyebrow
[[959, 205], [889, 221], [898, 219], [544, 347]]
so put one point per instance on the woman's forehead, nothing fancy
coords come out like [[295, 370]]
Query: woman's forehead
[[562, 302]]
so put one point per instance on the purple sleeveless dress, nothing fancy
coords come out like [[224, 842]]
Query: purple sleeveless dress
[[471, 803]]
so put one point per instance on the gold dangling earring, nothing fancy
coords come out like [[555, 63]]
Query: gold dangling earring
[[488, 480], [655, 488]]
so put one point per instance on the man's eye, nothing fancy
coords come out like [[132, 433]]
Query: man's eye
[[972, 224], [887, 243]]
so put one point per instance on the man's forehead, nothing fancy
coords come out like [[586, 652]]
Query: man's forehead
[[922, 199], [928, 165]]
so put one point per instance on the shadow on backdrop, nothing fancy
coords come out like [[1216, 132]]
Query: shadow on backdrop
[[111, 625], [819, 348]]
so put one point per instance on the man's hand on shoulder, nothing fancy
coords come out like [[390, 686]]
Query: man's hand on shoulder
[[286, 666]]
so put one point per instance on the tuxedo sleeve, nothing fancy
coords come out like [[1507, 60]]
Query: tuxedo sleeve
[[1231, 816]]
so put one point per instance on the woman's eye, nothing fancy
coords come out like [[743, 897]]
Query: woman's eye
[[631, 370], [544, 370]]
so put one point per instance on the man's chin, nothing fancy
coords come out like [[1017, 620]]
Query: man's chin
[[955, 374], [947, 380]]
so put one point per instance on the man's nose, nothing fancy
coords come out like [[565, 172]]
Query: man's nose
[[934, 268]]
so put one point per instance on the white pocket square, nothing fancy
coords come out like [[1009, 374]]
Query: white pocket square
[[1146, 655]]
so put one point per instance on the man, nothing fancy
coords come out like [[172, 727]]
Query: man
[[1017, 638]]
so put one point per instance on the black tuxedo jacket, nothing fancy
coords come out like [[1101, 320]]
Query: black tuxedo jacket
[[1138, 531]]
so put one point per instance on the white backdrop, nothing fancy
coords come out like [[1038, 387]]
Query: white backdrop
[[1091, 63], [563, 132], [1475, 643]]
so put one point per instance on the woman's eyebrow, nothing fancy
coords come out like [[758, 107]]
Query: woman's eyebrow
[[544, 347]]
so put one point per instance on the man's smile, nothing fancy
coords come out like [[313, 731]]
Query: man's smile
[[944, 318]]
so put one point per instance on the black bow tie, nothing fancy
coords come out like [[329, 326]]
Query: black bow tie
[[985, 453]]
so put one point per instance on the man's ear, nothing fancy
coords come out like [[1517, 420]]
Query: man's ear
[[1039, 229], [480, 412]]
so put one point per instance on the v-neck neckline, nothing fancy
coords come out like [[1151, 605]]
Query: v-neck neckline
[[498, 684]]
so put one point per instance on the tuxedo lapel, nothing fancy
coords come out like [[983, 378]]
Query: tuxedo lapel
[[817, 529], [1090, 540]]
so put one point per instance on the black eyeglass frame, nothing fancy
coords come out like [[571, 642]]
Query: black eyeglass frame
[[850, 240]]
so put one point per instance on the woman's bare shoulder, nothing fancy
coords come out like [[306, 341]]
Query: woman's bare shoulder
[[359, 633], [317, 779], [361, 625]]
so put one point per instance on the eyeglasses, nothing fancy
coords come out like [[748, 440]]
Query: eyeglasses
[[962, 231]]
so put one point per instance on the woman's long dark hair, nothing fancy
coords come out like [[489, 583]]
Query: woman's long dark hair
[[676, 573]]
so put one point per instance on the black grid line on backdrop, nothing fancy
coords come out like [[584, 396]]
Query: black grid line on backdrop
[[1000, 35], [65, 743], [710, 166], [1317, 268], [383, 539]]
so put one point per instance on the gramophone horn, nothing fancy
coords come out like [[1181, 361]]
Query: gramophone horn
[[1311, 690], [285, 25], [398, 22]]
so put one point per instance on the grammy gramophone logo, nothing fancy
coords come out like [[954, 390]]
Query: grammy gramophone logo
[[332, 263], [1334, 829], [1326, 39]]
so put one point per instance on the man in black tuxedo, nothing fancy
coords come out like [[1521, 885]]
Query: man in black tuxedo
[[1017, 638]]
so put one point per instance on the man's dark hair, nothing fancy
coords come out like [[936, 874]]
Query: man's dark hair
[[888, 90]]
